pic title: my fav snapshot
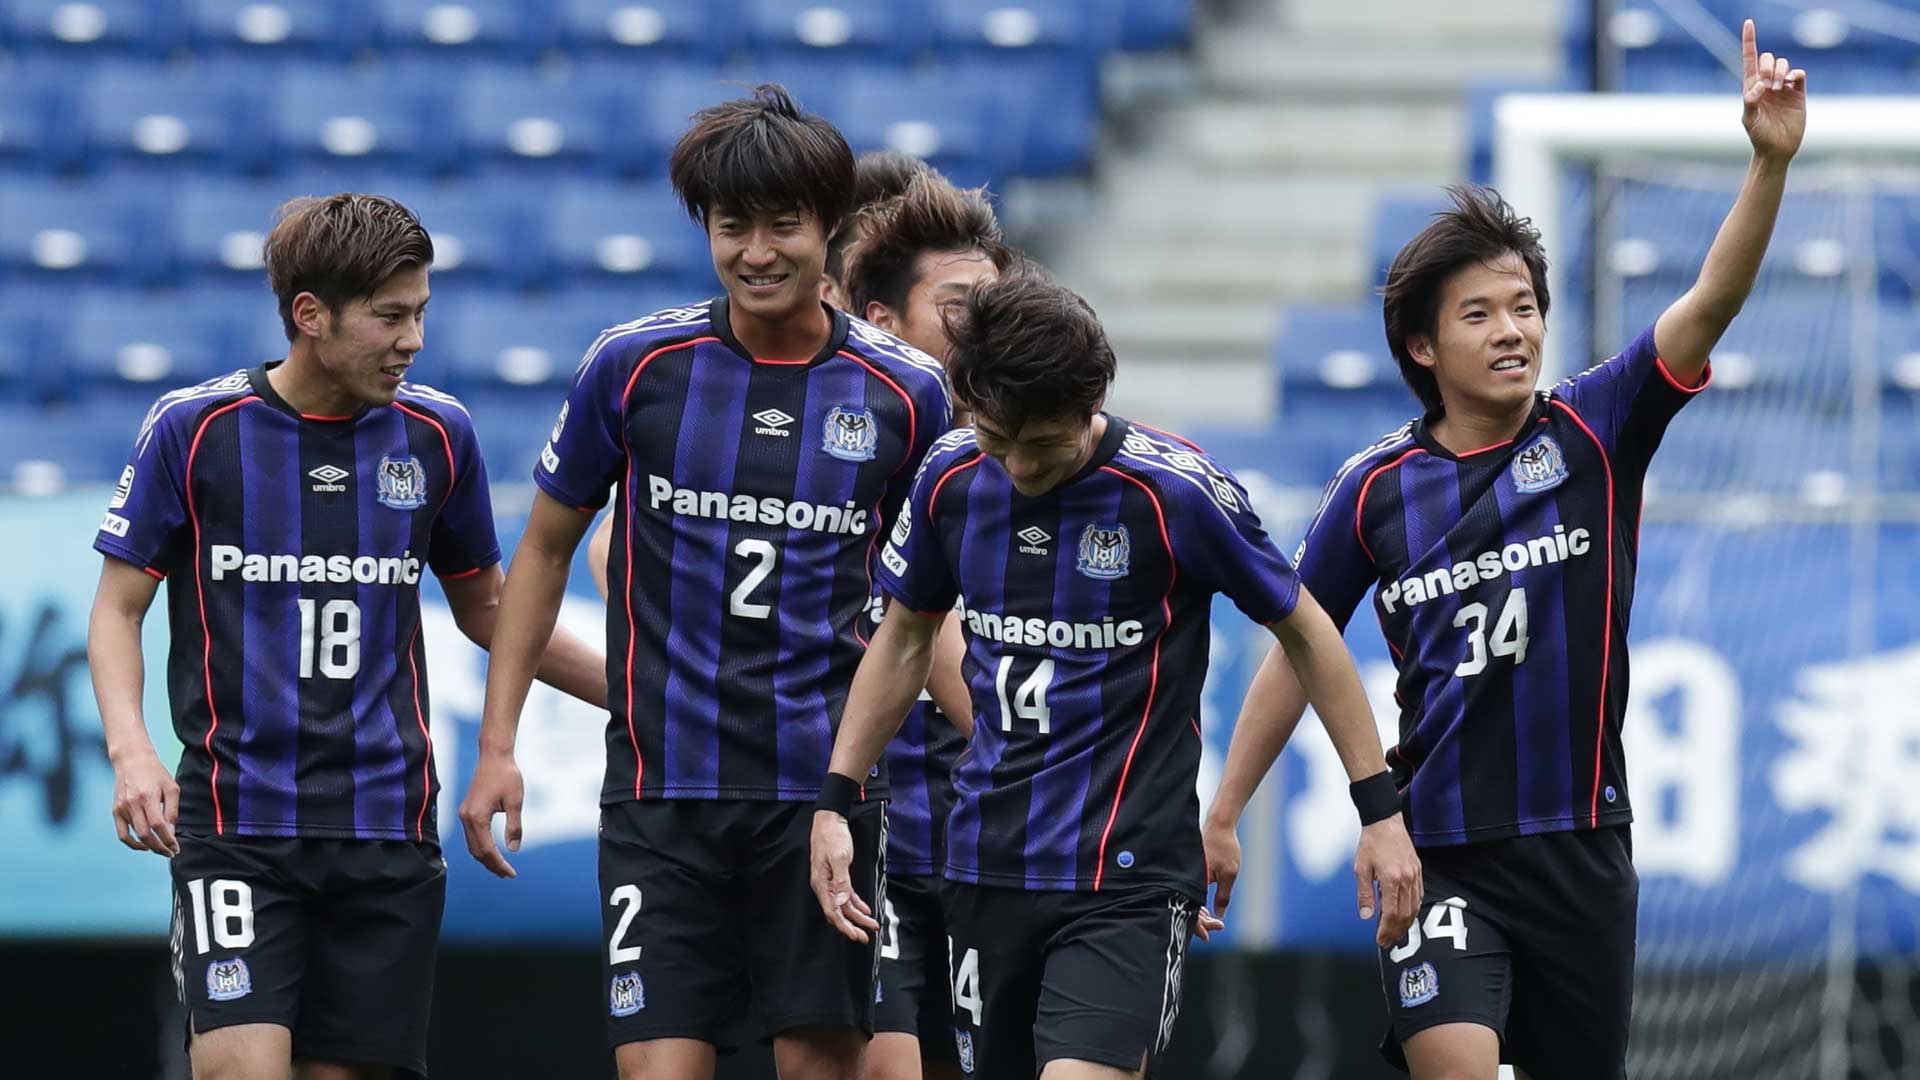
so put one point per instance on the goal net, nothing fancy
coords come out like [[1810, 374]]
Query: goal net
[[1774, 732]]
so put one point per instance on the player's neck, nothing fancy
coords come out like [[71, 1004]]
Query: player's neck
[[792, 337], [302, 383], [1465, 428]]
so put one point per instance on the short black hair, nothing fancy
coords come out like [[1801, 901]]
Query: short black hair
[[1027, 347], [878, 175], [340, 248], [931, 215], [762, 154], [1479, 227]]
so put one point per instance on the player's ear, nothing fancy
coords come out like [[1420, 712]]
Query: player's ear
[[310, 315], [1420, 347], [881, 316]]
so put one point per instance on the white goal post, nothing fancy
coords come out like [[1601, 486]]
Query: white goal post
[[1536, 134]]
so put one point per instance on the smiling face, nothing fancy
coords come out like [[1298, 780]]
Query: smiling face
[[364, 348], [1042, 454], [770, 263], [1485, 348]]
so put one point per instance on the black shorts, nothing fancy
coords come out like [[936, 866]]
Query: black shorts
[[1532, 937], [332, 939], [1050, 976], [708, 913], [913, 994]]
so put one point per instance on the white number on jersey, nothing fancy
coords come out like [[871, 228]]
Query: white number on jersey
[[764, 556], [1509, 633], [1030, 700], [338, 623]]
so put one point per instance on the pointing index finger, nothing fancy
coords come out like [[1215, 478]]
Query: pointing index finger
[[1749, 54]]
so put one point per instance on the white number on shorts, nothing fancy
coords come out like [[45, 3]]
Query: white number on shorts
[[231, 915], [1444, 920], [764, 556], [617, 953], [966, 981], [889, 932]]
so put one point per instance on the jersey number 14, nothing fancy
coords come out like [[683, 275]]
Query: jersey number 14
[[1509, 637]]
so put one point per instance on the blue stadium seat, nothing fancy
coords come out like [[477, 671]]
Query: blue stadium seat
[[26, 316], [479, 227], [522, 115], [311, 27], [329, 113], [32, 432], [437, 25], [80, 228], [919, 114], [220, 223], [1481, 97], [995, 25], [34, 130], [1896, 221], [136, 25], [1045, 109], [1397, 218], [683, 29], [1665, 232], [153, 112], [124, 338], [1339, 348], [879, 28], [662, 98], [1156, 24], [596, 228], [1898, 330], [491, 340]]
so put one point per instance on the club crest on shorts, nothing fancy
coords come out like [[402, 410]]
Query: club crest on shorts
[[402, 483], [850, 434], [229, 979], [963, 1042], [1103, 551], [1418, 985], [627, 995], [1539, 467]]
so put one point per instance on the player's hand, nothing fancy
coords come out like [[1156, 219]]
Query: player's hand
[[1205, 923], [1222, 846], [1386, 856], [832, 856], [1774, 96], [146, 805], [496, 788]]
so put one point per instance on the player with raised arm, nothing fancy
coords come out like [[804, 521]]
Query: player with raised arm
[[1082, 552], [917, 256], [294, 506], [755, 444], [1500, 534]]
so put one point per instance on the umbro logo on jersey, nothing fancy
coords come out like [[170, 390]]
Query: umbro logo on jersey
[[1034, 540], [329, 477], [772, 422]]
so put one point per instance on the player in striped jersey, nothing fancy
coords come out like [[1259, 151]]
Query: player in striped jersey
[[916, 258], [1500, 535], [1083, 553], [294, 506], [757, 442]]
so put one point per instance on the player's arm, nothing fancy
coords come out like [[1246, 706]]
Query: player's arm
[[885, 686], [1775, 99], [529, 605], [146, 800], [1275, 702], [599, 550], [569, 664], [1318, 658], [947, 683]]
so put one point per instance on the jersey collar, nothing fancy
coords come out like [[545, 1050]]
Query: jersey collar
[[1423, 434], [723, 329], [263, 386]]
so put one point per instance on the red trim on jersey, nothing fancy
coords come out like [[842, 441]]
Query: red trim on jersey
[[200, 597], [1706, 376], [426, 764], [633, 629], [1181, 439], [157, 575], [1489, 446], [934, 499], [880, 525], [1606, 624], [1153, 678], [462, 574], [1360, 505], [453, 477], [317, 416]]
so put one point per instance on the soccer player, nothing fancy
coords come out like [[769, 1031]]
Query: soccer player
[[757, 442], [1083, 553], [917, 257], [1500, 533], [294, 506]]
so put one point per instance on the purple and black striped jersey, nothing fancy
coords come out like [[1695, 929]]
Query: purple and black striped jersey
[[1086, 618], [293, 546], [750, 500], [1503, 580], [920, 762]]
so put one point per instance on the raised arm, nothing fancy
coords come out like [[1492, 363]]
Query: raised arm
[[529, 605], [1774, 95], [569, 664], [887, 683], [146, 800]]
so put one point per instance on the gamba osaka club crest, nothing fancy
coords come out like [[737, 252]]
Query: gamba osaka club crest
[[403, 483], [228, 980], [1104, 550], [1418, 985], [627, 995], [1539, 467], [851, 434]]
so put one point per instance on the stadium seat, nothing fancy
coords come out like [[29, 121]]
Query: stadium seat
[[521, 115], [121, 338], [84, 229], [1397, 218], [918, 114], [1156, 24], [492, 340], [133, 25], [1481, 97], [682, 29], [1665, 231], [602, 228], [1339, 348], [330, 113], [661, 97], [996, 25], [1898, 331], [34, 131], [309, 27], [436, 25], [1045, 108], [136, 111], [878, 28]]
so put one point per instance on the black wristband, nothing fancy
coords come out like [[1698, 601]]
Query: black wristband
[[1375, 797], [839, 794]]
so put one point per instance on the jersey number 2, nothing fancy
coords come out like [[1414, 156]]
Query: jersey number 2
[[764, 556], [1509, 633]]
